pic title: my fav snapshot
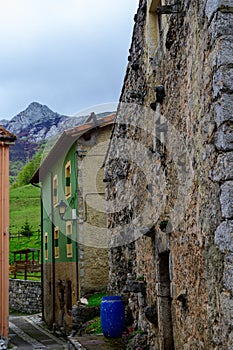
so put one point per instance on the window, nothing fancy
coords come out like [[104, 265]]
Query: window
[[156, 30], [67, 178], [153, 28], [69, 239], [56, 243], [55, 186], [46, 245]]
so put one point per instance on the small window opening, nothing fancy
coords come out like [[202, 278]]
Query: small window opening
[[56, 242], [55, 193], [46, 246], [154, 28], [67, 178], [69, 239]]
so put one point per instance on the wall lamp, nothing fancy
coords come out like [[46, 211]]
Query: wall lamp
[[62, 206]]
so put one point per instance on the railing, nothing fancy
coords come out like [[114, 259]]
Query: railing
[[26, 266]]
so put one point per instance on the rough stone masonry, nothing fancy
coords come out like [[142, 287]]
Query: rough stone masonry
[[169, 176], [25, 296]]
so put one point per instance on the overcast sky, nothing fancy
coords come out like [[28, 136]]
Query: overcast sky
[[67, 54]]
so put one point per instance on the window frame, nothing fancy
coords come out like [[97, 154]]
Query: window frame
[[69, 246], [55, 190], [46, 246], [56, 242], [68, 179]]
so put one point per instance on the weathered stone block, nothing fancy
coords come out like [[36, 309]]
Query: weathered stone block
[[226, 199], [228, 272], [227, 308], [224, 109], [81, 314], [223, 169], [214, 5], [224, 236], [222, 52], [221, 25], [223, 81], [224, 137]]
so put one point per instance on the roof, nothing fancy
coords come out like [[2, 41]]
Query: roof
[[66, 140], [6, 136]]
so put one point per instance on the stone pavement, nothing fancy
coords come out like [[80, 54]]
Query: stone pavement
[[27, 333], [94, 342], [30, 332]]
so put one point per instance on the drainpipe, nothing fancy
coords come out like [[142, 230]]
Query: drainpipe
[[77, 266], [76, 242], [41, 246], [53, 253], [42, 253]]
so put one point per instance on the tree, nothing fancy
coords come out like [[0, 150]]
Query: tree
[[26, 229], [25, 175]]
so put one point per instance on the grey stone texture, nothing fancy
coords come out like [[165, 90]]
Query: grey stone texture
[[224, 109], [25, 296], [224, 137], [170, 175], [82, 314], [223, 81], [221, 25], [212, 6], [223, 169], [224, 236], [226, 199], [228, 272]]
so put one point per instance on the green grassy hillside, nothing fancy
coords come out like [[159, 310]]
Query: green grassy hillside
[[24, 207]]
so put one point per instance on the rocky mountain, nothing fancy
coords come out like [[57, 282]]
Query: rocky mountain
[[38, 123], [34, 126]]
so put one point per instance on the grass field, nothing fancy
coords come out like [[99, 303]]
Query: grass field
[[24, 206]]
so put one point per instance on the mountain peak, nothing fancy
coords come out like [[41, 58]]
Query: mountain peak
[[35, 105], [36, 111]]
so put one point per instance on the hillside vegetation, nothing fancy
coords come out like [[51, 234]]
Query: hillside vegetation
[[24, 209]]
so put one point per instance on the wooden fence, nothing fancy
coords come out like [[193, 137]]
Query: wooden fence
[[20, 236]]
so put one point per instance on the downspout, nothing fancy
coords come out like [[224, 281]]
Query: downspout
[[77, 265], [42, 246], [42, 253], [53, 253], [76, 226]]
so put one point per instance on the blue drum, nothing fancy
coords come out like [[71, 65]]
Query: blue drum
[[112, 316]]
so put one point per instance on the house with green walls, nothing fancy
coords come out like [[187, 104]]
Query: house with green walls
[[73, 219]]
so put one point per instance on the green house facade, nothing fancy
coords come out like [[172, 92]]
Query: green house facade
[[72, 265]]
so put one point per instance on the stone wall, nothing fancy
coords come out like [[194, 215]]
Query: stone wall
[[25, 296], [92, 231], [169, 170]]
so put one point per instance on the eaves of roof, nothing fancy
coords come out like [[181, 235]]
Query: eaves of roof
[[6, 136], [64, 143]]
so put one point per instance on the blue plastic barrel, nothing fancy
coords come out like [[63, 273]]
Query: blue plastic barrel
[[112, 316]]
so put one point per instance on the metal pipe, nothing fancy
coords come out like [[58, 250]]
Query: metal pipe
[[42, 246], [53, 246]]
